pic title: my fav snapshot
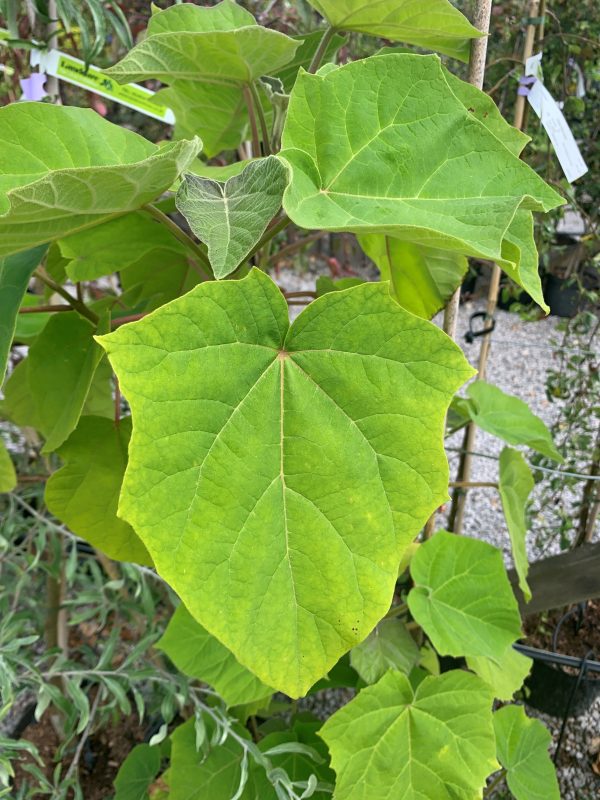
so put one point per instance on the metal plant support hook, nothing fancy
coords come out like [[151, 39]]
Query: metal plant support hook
[[471, 334]]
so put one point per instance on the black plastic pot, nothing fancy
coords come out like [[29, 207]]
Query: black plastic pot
[[562, 296], [550, 689]]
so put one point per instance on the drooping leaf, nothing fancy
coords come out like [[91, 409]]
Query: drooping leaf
[[433, 24], [448, 602], [226, 52], [198, 654], [521, 257], [77, 170], [84, 492], [15, 272], [505, 675], [422, 279], [231, 217], [116, 245], [522, 748], [49, 388], [259, 443], [137, 773], [8, 476], [435, 743], [389, 646], [510, 419], [516, 483], [383, 145]]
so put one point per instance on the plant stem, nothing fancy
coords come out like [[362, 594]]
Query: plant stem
[[130, 318], [44, 309], [117, 401], [397, 611], [252, 116], [308, 293], [491, 786], [473, 484], [322, 48], [182, 236], [75, 304], [269, 234], [298, 245], [262, 120]]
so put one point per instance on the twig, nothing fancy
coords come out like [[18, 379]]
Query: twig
[[84, 736], [75, 304], [307, 293], [130, 318], [298, 245], [44, 309], [182, 236]]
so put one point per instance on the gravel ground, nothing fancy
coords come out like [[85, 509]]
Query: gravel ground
[[519, 359]]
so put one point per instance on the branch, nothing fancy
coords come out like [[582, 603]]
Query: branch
[[75, 304], [182, 236]]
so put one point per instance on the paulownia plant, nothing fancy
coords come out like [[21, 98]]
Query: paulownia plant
[[277, 475]]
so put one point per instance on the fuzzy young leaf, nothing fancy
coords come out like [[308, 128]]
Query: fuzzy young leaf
[[15, 272], [510, 419], [198, 654], [433, 24], [447, 600], [137, 772], [8, 477], [516, 483], [389, 646], [458, 188], [432, 743], [84, 492], [505, 675], [421, 278], [231, 217], [522, 747], [256, 442], [83, 171]]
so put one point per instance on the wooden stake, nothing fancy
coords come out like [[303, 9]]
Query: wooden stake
[[459, 496]]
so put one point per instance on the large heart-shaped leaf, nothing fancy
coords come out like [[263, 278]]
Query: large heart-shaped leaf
[[421, 278], [15, 273], [259, 443], [522, 745], [447, 600], [84, 492], [432, 743], [434, 24], [389, 646], [383, 145], [231, 217], [116, 245], [509, 418], [516, 484], [198, 654], [77, 170]]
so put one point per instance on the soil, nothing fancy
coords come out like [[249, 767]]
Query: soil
[[578, 635], [100, 760]]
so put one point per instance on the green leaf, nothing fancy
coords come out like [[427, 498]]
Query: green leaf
[[384, 146], [158, 278], [218, 173], [226, 15], [193, 776], [516, 483], [309, 44], [28, 326], [326, 284], [116, 245], [137, 773], [435, 743], [510, 419], [198, 654], [49, 388], [447, 600], [522, 746], [259, 443], [84, 492], [78, 170], [505, 675], [231, 217], [422, 279], [433, 24], [229, 55], [15, 272], [389, 646], [8, 476], [521, 257]]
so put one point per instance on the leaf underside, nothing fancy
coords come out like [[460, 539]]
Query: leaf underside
[[256, 443]]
